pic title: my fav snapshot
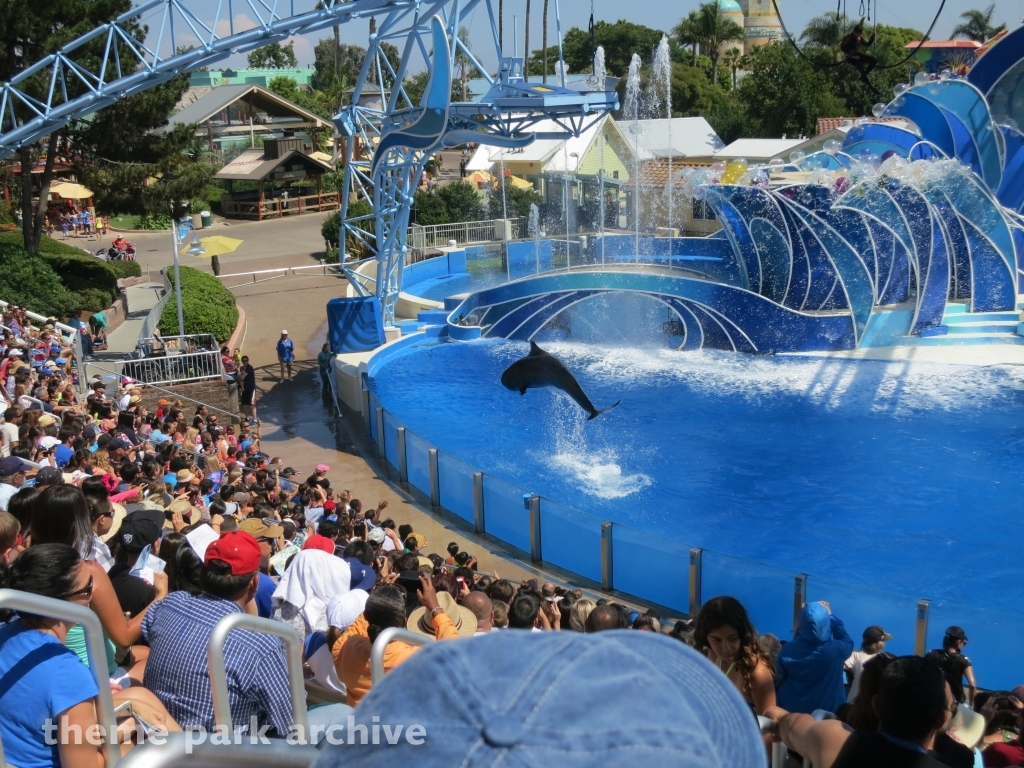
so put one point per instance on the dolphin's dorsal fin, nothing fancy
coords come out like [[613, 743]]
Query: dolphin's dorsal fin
[[535, 350]]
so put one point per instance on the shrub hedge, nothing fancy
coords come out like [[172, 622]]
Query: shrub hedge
[[30, 281], [207, 306]]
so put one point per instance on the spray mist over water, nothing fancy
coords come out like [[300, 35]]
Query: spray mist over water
[[600, 72], [631, 111]]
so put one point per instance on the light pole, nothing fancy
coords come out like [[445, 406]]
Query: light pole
[[177, 277]]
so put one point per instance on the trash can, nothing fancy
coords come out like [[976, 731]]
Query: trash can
[[197, 221], [207, 219]]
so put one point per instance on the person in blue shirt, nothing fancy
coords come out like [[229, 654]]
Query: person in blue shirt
[[48, 694], [285, 354], [810, 667]]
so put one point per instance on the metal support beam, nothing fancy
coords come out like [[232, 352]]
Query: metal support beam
[[799, 598], [607, 562], [435, 480], [403, 464], [696, 571], [921, 631], [479, 518]]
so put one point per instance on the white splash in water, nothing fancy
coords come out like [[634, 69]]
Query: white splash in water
[[599, 67], [599, 474], [631, 108]]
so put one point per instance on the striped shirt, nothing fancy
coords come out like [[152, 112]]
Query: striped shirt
[[177, 629]]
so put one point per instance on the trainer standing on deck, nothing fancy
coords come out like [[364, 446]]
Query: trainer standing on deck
[[285, 354], [323, 361], [248, 403]]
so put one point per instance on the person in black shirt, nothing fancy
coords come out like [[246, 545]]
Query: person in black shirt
[[914, 704], [138, 530], [954, 665], [248, 397]]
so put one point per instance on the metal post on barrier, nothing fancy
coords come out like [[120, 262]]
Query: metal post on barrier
[[435, 480], [390, 635], [799, 598], [479, 521], [380, 434], [607, 564], [403, 466], [532, 502], [364, 391], [219, 675], [95, 649], [696, 571], [921, 634]]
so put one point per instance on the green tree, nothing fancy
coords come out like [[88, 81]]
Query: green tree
[[620, 41], [430, 209], [461, 201], [783, 93], [415, 86], [273, 56], [712, 30], [350, 61], [464, 64], [517, 201], [827, 31], [29, 30], [686, 32], [732, 59], [977, 25], [544, 40], [337, 41], [285, 87]]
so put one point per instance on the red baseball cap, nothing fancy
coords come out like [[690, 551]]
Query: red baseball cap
[[238, 549], [316, 541]]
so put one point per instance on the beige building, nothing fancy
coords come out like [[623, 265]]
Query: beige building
[[690, 217]]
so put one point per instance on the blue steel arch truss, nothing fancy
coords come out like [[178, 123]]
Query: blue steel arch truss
[[387, 145]]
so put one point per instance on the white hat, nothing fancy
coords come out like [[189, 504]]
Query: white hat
[[48, 442], [967, 726], [284, 333], [375, 536], [14, 353], [344, 609]]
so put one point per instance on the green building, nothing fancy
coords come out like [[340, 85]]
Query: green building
[[217, 77]]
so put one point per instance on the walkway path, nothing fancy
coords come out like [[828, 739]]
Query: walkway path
[[122, 340]]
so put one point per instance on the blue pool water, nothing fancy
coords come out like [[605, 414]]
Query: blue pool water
[[903, 476]]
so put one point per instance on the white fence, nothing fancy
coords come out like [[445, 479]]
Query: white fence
[[466, 232]]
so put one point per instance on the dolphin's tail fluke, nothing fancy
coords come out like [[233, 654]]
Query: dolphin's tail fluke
[[596, 413]]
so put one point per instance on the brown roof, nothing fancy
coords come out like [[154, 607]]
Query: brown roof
[[251, 165], [654, 173]]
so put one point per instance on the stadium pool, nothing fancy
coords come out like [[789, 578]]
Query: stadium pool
[[898, 476]]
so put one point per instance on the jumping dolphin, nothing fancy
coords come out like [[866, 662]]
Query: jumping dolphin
[[540, 369]]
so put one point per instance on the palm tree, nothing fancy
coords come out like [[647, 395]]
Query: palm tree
[[827, 31], [977, 25], [686, 34], [713, 30], [337, 40], [544, 41], [462, 61], [733, 60], [526, 45]]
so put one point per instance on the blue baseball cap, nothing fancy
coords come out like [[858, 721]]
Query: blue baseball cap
[[560, 698]]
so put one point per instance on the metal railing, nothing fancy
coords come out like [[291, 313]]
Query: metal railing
[[390, 635], [219, 676], [172, 368], [70, 336], [170, 394], [79, 614], [261, 275], [277, 207], [465, 232]]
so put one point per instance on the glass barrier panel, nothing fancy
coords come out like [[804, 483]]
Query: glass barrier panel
[[993, 641], [860, 607], [455, 479], [570, 539], [391, 439], [417, 460], [651, 568], [507, 517], [765, 591]]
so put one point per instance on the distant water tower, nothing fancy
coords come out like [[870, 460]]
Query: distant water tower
[[761, 23]]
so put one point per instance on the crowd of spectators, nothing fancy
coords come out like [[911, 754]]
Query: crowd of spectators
[[164, 523]]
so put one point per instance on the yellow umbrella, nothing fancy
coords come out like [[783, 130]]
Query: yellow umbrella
[[70, 190], [218, 245], [515, 181], [480, 177]]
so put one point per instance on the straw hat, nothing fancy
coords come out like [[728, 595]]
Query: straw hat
[[463, 619]]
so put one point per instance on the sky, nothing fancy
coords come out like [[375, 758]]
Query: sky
[[664, 14]]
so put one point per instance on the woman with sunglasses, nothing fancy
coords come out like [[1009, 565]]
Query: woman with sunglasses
[[61, 516], [47, 684]]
